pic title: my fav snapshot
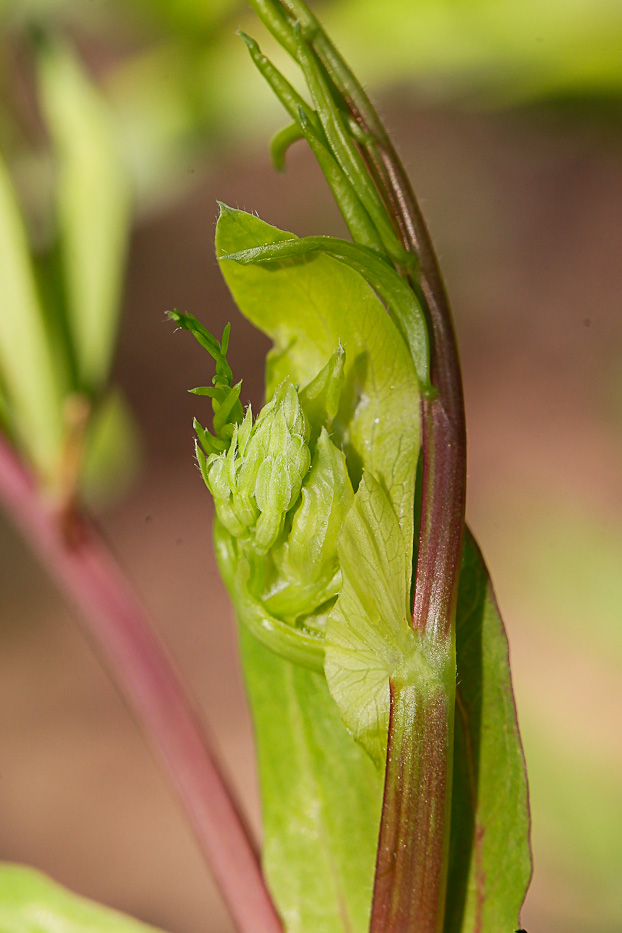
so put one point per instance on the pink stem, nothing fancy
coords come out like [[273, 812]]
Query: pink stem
[[86, 572]]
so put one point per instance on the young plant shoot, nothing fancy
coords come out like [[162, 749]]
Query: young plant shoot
[[392, 776]]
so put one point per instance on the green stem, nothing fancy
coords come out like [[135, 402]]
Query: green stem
[[409, 893], [413, 851], [415, 795]]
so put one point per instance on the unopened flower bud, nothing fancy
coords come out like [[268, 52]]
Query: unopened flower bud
[[258, 480]]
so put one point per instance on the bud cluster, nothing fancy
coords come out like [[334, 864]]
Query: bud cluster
[[280, 485], [258, 480]]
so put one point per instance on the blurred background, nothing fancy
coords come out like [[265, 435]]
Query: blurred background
[[508, 117]]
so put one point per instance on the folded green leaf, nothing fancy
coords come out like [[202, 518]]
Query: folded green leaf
[[93, 205], [295, 645], [32, 903], [320, 398], [359, 222], [336, 130], [490, 866]]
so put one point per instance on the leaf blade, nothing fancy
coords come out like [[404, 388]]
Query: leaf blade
[[489, 816], [314, 778]]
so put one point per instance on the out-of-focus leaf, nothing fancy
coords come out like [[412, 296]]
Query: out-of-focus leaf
[[195, 18], [112, 452], [33, 395], [93, 208], [492, 49], [32, 903], [321, 793], [490, 866]]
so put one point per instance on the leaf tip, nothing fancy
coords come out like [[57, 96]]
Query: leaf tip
[[250, 43]]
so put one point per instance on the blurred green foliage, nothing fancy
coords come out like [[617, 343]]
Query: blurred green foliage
[[60, 289], [178, 80], [31, 903]]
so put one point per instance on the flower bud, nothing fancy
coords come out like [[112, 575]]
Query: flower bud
[[258, 480]]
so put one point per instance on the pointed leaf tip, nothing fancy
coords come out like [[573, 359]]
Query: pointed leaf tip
[[250, 43]]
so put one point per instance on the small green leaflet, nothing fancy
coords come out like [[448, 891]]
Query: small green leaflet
[[490, 862], [32, 903], [321, 792]]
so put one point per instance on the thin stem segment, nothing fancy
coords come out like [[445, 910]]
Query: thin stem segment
[[87, 574]]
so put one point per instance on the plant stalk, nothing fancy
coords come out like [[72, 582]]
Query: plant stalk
[[409, 890], [411, 864], [437, 571], [85, 571]]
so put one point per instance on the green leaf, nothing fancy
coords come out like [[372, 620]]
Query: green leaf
[[360, 224], [369, 638], [399, 298], [320, 397], [290, 643], [32, 903], [33, 396], [93, 208], [321, 798], [490, 866], [321, 793], [342, 145]]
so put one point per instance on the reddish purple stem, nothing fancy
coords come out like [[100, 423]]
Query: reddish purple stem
[[88, 575]]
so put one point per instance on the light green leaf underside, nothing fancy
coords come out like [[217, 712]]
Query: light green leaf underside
[[307, 306], [321, 792], [93, 208], [32, 903], [490, 862], [321, 798]]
